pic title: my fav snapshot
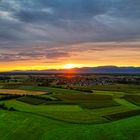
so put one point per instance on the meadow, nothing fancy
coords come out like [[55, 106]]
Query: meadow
[[32, 127], [48, 113]]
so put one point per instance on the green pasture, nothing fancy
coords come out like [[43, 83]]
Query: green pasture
[[127, 88], [68, 113], [31, 100], [109, 113], [50, 89], [21, 106], [24, 126], [134, 99]]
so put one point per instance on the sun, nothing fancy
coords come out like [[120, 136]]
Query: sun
[[70, 66]]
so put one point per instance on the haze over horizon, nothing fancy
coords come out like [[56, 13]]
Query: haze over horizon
[[57, 34]]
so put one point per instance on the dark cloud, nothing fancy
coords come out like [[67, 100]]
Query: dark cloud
[[59, 52], [69, 21], [16, 54], [56, 10]]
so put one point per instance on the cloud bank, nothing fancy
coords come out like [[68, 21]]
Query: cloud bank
[[53, 29]]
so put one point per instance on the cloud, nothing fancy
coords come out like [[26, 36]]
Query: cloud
[[20, 54], [70, 20], [4, 14], [60, 29], [59, 52]]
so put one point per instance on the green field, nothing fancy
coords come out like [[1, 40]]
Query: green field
[[127, 88], [70, 115], [135, 99], [125, 114], [50, 89], [19, 125], [31, 100]]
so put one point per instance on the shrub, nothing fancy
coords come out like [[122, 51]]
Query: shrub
[[4, 107], [12, 109]]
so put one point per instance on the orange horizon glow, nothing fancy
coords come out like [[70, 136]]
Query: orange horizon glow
[[127, 54], [67, 66], [30, 65]]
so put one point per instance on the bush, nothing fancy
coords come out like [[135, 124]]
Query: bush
[[4, 107], [12, 109]]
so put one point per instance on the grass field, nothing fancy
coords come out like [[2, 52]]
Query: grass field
[[122, 115], [50, 89], [21, 106], [70, 115], [135, 99], [83, 97], [99, 104], [31, 100], [127, 88], [89, 101], [32, 127]]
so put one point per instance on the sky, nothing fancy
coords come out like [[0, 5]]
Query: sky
[[47, 34]]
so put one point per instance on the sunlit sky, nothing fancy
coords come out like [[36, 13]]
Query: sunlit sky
[[47, 34]]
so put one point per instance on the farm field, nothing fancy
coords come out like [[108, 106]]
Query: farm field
[[69, 69], [48, 129], [49, 89], [127, 88], [55, 113], [20, 92], [135, 99]]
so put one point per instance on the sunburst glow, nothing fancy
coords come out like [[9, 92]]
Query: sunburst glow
[[70, 66]]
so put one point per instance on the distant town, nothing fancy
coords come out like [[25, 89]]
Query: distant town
[[68, 80]]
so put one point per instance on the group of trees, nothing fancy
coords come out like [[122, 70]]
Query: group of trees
[[7, 97], [4, 78]]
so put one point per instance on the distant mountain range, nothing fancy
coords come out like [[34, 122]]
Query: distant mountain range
[[100, 69]]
